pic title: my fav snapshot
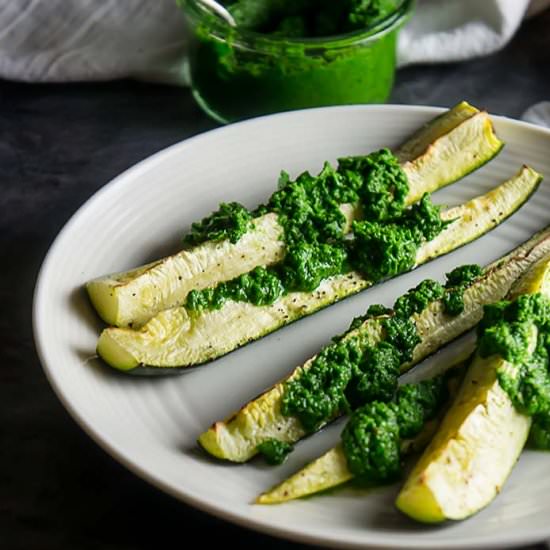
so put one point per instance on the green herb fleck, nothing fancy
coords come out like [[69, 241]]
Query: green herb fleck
[[375, 310], [463, 275]]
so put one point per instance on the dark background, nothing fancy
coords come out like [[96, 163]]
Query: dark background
[[58, 145]]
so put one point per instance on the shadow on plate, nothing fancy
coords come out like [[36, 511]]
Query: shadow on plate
[[80, 304]]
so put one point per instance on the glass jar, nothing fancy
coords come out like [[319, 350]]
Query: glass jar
[[237, 74]]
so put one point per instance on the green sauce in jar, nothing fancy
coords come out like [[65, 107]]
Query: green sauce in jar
[[281, 59]]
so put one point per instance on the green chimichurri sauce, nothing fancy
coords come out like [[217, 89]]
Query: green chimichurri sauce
[[457, 281], [372, 438], [371, 442], [539, 436], [260, 287], [274, 451], [314, 230], [506, 331], [231, 221], [385, 248], [308, 18], [415, 302], [349, 372], [319, 394]]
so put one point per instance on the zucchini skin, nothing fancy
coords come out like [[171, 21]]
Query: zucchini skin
[[118, 356]]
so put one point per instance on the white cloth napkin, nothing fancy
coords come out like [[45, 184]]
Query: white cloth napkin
[[461, 29], [538, 114], [67, 40]]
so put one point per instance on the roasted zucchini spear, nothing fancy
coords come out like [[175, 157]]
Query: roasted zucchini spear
[[480, 439], [177, 338]]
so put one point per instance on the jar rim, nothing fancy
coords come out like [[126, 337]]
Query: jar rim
[[197, 11]]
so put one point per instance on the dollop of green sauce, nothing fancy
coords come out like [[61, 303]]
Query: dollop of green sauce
[[260, 287], [314, 230], [506, 330], [371, 443], [374, 310], [231, 221], [416, 302], [308, 18], [457, 281], [372, 438], [319, 394], [383, 248], [274, 451]]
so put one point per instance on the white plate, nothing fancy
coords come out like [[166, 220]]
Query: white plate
[[151, 424]]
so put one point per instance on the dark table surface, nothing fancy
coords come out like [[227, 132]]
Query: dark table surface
[[59, 144]]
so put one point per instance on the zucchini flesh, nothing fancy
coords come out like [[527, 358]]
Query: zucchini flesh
[[447, 149], [325, 472], [237, 437], [479, 441], [417, 143], [176, 338], [469, 459]]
